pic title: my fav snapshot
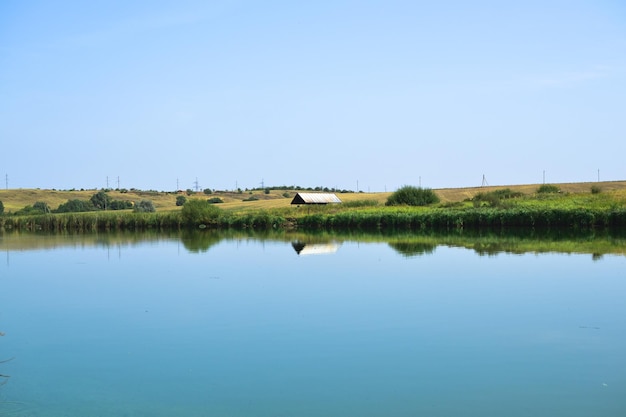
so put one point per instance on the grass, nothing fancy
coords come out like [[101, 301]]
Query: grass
[[576, 205]]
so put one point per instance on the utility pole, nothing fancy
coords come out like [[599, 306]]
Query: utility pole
[[196, 185], [118, 182]]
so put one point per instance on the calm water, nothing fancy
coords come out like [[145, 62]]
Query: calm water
[[248, 327]]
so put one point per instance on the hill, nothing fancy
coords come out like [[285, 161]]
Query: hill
[[16, 199]]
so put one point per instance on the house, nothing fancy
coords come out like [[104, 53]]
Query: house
[[315, 198]]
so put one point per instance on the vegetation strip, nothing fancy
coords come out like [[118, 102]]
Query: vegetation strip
[[409, 208]]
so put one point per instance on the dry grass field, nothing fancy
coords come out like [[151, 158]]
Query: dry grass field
[[16, 199]]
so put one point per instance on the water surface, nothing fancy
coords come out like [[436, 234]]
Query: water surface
[[255, 327]]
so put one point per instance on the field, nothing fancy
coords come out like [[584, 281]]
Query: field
[[16, 199]]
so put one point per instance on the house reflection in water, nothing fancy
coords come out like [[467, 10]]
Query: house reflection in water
[[303, 248]]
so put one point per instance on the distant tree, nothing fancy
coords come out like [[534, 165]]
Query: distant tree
[[74, 206], [1, 208], [144, 206], [207, 191], [120, 205], [101, 200], [412, 196], [180, 200], [189, 191], [266, 190], [42, 207]]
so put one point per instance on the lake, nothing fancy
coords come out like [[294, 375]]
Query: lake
[[246, 325]]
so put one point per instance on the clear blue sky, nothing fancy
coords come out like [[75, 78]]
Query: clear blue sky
[[323, 93]]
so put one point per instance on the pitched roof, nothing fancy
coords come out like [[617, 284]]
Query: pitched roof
[[315, 198]]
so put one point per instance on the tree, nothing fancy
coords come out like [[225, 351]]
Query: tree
[[412, 196], [144, 206], [101, 200], [42, 207], [180, 200], [207, 191], [1, 208]]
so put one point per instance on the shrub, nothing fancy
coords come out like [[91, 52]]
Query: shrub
[[251, 198], [286, 194], [548, 188], [74, 206], [595, 189], [144, 206], [215, 200], [120, 205], [207, 191], [412, 196], [266, 190], [180, 200], [1, 208], [196, 211]]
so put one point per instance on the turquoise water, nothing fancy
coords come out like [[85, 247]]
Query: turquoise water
[[252, 328]]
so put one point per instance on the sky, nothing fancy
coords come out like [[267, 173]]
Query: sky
[[357, 95]]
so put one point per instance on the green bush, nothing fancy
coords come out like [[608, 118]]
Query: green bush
[[144, 206], [74, 206], [251, 198], [1, 208], [180, 200], [196, 211], [207, 191], [595, 189], [412, 196], [548, 188], [215, 200]]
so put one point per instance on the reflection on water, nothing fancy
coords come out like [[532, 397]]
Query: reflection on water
[[237, 324], [303, 248], [407, 244]]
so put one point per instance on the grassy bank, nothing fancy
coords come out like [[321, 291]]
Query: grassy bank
[[486, 208]]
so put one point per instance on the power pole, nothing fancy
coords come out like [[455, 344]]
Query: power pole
[[118, 182], [196, 185]]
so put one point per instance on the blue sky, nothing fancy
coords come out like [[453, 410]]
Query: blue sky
[[374, 94]]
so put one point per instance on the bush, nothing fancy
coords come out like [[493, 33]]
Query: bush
[[412, 196], [267, 190], [286, 194], [548, 188], [196, 211], [207, 191], [74, 206], [595, 189], [180, 200], [144, 206], [120, 205], [1, 208], [251, 198], [215, 200]]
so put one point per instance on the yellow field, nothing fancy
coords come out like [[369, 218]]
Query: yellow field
[[16, 199]]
